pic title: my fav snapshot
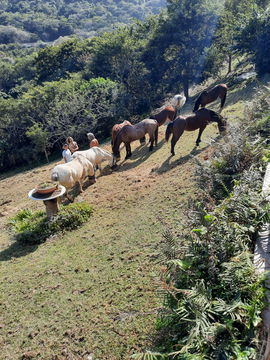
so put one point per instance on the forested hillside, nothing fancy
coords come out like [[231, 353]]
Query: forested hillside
[[30, 21], [82, 85]]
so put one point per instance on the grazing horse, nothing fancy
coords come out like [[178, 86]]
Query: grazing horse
[[130, 133], [211, 95], [116, 128], [199, 120], [96, 156]]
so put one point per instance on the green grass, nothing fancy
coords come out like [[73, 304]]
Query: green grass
[[95, 290]]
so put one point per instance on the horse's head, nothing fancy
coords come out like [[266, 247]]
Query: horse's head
[[116, 156], [222, 125]]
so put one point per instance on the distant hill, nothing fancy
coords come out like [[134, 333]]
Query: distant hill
[[46, 20]]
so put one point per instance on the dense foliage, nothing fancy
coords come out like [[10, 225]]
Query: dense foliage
[[77, 85], [28, 21], [34, 227], [214, 296]]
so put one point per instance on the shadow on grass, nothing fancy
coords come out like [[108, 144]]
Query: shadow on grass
[[169, 165], [140, 154], [16, 250]]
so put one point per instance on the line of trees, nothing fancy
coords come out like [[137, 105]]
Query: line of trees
[[78, 86], [50, 19]]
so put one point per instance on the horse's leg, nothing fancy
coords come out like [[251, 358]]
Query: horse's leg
[[151, 143], [80, 185], [156, 136], [128, 150], [142, 140], [176, 135], [199, 135]]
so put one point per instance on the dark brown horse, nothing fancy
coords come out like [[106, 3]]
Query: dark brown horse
[[199, 120], [116, 128], [130, 133], [211, 95]]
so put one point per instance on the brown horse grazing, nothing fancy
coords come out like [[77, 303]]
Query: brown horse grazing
[[130, 133], [199, 121], [211, 95], [116, 128]]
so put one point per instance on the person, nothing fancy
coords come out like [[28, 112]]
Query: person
[[72, 145], [92, 140], [66, 154]]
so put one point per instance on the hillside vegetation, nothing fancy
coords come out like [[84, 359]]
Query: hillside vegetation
[[80, 86], [163, 258], [35, 20]]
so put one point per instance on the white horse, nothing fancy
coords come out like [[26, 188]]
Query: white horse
[[178, 101], [74, 171], [96, 155]]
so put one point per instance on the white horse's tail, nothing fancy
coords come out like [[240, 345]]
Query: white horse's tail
[[55, 176], [179, 101]]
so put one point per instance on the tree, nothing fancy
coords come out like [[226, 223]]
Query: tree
[[177, 51], [39, 137]]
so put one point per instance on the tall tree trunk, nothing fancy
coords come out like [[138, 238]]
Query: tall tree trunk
[[229, 63], [46, 155], [186, 87]]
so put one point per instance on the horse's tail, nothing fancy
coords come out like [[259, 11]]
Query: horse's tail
[[197, 103], [169, 131], [223, 100], [55, 176], [117, 141]]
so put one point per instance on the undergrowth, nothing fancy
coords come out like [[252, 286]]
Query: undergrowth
[[34, 227], [213, 295]]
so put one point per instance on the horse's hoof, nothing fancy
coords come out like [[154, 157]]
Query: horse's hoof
[[173, 153]]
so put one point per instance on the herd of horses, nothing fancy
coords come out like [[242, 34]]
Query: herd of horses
[[85, 163], [127, 133]]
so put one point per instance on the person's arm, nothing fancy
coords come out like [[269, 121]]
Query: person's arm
[[75, 146]]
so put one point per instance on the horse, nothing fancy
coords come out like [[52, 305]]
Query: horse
[[211, 95], [116, 128], [169, 113], [96, 155], [199, 120], [130, 133], [74, 171]]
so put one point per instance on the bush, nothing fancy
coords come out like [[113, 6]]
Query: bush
[[213, 295], [34, 227]]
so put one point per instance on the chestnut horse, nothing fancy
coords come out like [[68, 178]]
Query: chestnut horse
[[130, 133], [199, 120], [211, 95], [169, 112], [116, 128]]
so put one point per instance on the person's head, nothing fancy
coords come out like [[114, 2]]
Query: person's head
[[69, 139], [90, 136], [65, 146]]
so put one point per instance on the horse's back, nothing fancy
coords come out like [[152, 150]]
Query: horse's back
[[167, 113]]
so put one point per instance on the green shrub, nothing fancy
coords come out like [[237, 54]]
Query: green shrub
[[34, 227], [213, 295]]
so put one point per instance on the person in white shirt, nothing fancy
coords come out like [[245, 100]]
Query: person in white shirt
[[66, 153]]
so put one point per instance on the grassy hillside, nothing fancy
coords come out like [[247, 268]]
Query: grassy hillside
[[95, 291]]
